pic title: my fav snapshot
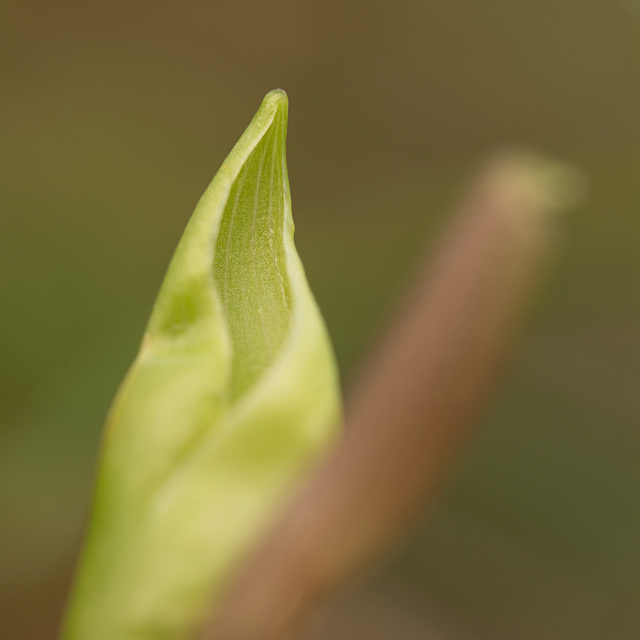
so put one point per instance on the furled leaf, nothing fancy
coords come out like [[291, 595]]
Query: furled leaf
[[232, 396]]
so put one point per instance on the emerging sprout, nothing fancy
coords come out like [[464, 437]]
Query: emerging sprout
[[232, 396]]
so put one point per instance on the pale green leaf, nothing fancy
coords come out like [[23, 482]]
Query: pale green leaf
[[232, 396]]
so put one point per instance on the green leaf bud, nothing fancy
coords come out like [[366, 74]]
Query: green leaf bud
[[231, 398]]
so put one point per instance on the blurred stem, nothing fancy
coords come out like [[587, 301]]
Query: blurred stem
[[413, 409]]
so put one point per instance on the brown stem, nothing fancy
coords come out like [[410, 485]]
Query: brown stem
[[414, 408]]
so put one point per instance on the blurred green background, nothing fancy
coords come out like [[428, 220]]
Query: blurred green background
[[114, 116]]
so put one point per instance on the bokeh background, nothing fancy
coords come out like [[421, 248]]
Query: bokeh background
[[115, 115]]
